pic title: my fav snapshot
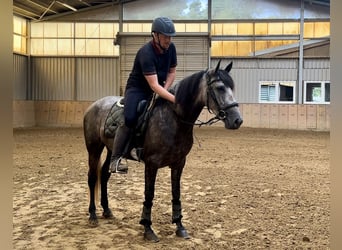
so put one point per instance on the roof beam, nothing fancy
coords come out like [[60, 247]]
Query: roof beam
[[85, 3], [22, 10], [46, 10], [81, 10], [324, 3], [67, 6], [41, 6]]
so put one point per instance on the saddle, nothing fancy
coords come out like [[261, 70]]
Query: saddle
[[115, 119]]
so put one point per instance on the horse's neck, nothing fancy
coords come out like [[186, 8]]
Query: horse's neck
[[190, 115], [191, 112]]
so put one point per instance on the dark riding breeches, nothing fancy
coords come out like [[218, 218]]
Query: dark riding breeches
[[132, 98]]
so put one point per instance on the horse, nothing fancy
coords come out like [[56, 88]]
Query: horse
[[168, 139]]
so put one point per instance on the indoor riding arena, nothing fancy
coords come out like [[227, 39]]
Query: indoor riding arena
[[265, 185]]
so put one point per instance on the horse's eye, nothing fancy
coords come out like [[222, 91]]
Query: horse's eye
[[221, 88]]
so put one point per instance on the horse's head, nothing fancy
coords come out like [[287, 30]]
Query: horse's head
[[220, 96]]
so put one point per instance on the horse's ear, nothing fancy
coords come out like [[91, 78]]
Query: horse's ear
[[229, 67], [217, 66]]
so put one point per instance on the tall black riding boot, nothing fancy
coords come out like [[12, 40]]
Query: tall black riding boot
[[120, 141]]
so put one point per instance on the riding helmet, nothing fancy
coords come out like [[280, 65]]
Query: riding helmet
[[164, 25]]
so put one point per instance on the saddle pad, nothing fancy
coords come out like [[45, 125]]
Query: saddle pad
[[114, 119]]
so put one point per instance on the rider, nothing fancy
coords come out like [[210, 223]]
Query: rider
[[154, 70]]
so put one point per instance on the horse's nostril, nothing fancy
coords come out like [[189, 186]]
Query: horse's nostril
[[238, 122]]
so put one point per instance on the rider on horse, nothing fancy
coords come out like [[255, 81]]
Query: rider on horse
[[154, 71]]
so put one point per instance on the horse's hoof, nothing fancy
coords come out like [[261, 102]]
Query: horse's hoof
[[93, 222], [107, 214], [150, 236], [181, 232]]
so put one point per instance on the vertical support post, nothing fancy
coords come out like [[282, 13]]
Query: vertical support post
[[29, 88], [120, 17], [209, 32], [301, 55], [75, 67]]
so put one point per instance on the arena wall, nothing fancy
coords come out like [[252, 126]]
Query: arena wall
[[70, 114]]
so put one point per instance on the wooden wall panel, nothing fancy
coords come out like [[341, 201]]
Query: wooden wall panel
[[293, 116], [327, 117], [274, 115], [283, 118], [265, 116], [70, 113], [311, 116], [255, 115], [247, 113], [322, 117], [23, 113], [70, 116], [42, 112], [301, 117], [53, 111], [62, 113]]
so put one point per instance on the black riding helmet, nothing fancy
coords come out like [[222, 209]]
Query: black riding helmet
[[163, 25]]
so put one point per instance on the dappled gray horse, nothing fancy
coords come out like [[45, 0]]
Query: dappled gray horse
[[168, 138]]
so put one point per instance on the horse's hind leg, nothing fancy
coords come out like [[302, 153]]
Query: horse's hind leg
[[176, 173], [93, 161], [107, 213]]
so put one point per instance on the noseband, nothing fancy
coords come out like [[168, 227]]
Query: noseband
[[222, 111]]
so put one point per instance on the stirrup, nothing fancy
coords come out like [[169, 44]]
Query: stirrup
[[117, 166], [134, 154]]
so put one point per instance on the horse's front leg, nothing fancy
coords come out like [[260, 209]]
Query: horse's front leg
[[176, 173], [150, 179]]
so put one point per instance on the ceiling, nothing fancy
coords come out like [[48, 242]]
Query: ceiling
[[43, 9]]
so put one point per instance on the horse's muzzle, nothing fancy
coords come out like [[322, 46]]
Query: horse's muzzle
[[237, 123], [233, 119]]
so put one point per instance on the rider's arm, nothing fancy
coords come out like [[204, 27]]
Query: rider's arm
[[170, 77], [162, 92]]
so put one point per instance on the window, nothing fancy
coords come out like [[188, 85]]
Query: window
[[80, 39], [317, 92], [275, 91], [19, 35]]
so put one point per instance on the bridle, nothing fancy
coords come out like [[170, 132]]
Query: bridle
[[222, 111]]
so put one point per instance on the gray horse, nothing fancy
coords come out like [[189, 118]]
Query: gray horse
[[168, 138]]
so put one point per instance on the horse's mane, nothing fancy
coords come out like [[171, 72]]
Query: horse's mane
[[187, 89], [226, 78]]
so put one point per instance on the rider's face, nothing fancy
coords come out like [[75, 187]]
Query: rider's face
[[164, 41]]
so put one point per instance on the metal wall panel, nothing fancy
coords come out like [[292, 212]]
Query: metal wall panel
[[88, 79], [317, 69], [96, 78], [248, 72], [316, 75], [20, 79], [192, 54], [53, 78], [129, 45], [316, 63], [71, 78]]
